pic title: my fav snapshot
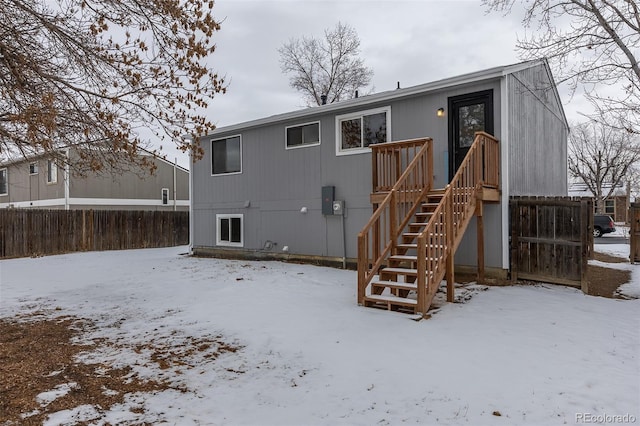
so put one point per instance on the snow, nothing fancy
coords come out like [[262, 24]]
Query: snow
[[304, 353]]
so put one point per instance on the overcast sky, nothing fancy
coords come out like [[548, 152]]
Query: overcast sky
[[410, 41]]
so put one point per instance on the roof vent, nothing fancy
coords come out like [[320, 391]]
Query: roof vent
[[398, 85], [323, 99]]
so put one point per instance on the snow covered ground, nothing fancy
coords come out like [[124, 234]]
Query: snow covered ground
[[537, 355]]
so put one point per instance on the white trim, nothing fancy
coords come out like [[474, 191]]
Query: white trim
[[504, 168], [67, 183], [6, 176], [220, 242], [191, 215], [239, 136], [92, 202], [359, 114], [303, 145]]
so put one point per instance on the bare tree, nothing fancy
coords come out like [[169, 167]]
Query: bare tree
[[602, 156], [330, 67], [589, 42], [104, 77]]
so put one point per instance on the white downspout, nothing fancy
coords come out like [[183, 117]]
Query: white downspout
[[175, 191], [191, 201], [66, 182]]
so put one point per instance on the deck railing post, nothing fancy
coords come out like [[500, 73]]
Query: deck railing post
[[374, 169], [393, 224], [449, 241], [363, 260], [421, 282]]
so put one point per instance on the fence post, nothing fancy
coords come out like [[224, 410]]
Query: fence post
[[585, 215]]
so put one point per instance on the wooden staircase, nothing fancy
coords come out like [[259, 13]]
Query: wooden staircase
[[408, 245]]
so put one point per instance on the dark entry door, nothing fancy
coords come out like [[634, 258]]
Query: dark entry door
[[468, 114]]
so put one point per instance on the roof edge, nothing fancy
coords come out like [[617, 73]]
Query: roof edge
[[486, 74]]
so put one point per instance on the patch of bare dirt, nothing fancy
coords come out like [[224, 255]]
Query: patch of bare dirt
[[38, 354], [607, 258], [605, 281]]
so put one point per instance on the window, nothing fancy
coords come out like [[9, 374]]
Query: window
[[609, 207], [52, 172], [165, 195], [4, 182], [33, 168], [229, 230], [355, 132], [226, 156], [303, 135]]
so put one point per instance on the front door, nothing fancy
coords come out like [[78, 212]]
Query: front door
[[467, 114]]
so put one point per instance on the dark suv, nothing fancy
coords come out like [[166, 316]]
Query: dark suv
[[602, 224]]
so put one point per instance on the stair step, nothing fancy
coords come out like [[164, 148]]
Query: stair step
[[395, 284], [424, 214], [430, 205], [415, 234], [403, 257], [421, 224], [407, 246], [401, 271], [406, 257], [391, 300]]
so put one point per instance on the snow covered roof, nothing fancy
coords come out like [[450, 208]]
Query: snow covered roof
[[580, 190]]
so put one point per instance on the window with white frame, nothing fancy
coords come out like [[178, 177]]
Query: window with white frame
[[33, 168], [226, 156], [165, 195], [229, 230], [4, 182], [52, 172], [307, 134], [356, 131], [609, 207]]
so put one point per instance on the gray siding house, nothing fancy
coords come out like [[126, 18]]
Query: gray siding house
[[40, 183], [258, 191]]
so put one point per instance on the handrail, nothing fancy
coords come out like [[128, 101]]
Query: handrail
[[389, 160], [380, 234], [443, 233]]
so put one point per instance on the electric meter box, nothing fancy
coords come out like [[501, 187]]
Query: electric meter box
[[328, 197], [338, 207]]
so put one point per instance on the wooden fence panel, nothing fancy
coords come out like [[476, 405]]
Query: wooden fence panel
[[550, 238], [45, 232]]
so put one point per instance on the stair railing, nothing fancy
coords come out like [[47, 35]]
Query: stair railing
[[439, 240], [380, 235]]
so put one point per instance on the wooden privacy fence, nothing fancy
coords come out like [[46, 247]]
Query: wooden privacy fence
[[44, 232], [634, 232], [551, 239]]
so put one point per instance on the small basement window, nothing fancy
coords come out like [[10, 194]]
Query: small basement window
[[356, 131], [165, 195], [229, 230], [226, 156], [303, 135], [33, 168]]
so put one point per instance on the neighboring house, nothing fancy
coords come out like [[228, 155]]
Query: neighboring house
[[41, 183], [616, 206], [259, 190]]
